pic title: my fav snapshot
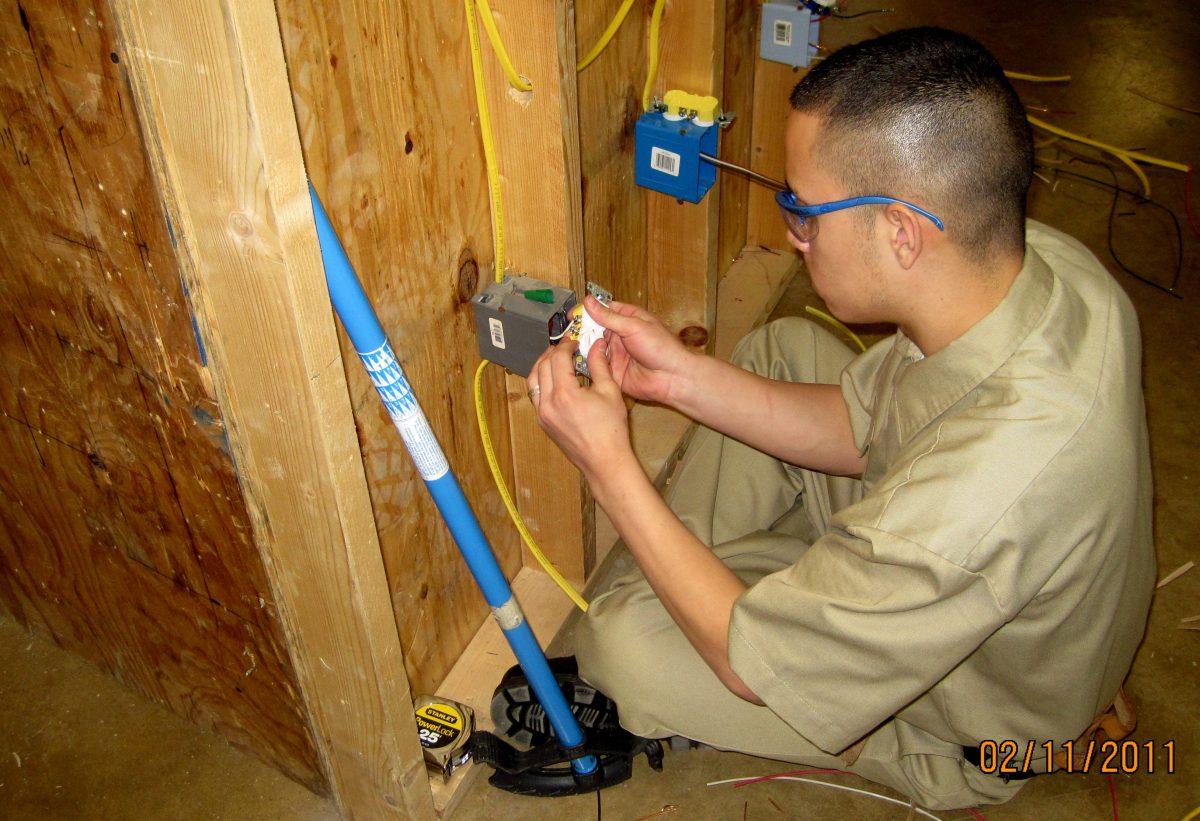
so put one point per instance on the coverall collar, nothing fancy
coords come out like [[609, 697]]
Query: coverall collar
[[931, 385]]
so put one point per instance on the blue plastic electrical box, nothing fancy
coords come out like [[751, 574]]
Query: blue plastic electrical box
[[789, 34], [667, 156]]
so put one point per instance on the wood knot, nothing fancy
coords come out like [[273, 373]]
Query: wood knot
[[694, 336], [241, 225], [468, 276], [408, 143]]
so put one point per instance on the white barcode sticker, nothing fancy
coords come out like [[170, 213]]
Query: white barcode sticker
[[664, 161], [783, 32], [497, 329]]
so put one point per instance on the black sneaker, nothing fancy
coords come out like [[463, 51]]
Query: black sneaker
[[519, 717]]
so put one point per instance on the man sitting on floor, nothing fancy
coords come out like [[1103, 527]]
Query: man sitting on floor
[[879, 563]]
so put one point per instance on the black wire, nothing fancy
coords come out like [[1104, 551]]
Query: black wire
[[840, 16], [597, 804], [1139, 199]]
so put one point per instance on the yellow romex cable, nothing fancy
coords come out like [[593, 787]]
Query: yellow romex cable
[[489, 144], [514, 514], [606, 37], [837, 324], [652, 52], [489, 25]]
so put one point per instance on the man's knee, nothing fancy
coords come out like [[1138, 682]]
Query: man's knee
[[606, 639], [793, 349], [620, 646]]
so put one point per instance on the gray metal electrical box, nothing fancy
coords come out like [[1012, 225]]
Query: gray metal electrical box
[[789, 34], [515, 319]]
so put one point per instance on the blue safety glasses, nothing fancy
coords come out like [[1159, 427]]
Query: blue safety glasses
[[802, 219]]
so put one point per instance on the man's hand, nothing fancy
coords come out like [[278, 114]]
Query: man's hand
[[590, 425], [646, 360]]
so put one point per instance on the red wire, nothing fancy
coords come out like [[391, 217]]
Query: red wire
[[1112, 789], [976, 814], [750, 781], [1187, 203]]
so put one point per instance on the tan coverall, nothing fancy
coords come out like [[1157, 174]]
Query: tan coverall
[[989, 577]]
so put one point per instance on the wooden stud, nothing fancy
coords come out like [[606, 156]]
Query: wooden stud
[[215, 105], [682, 250], [610, 102], [537, 146], [737, 97], [772, 84]]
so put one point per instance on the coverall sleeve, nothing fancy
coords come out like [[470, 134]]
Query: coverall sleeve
[[864, 622]]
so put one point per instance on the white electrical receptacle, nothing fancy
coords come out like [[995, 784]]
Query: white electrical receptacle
[[589, 331]]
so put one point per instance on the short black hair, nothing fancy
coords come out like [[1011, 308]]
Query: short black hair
[[927, 114]]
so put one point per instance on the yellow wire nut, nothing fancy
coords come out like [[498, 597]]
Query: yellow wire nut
[[700, 106], [515, 78], [837, 324], [486, 438], [652, 52], [613, 25]]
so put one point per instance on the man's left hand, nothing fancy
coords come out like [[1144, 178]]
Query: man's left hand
[[590, 425]]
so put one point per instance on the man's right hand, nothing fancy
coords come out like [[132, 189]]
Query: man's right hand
[[647, 361]]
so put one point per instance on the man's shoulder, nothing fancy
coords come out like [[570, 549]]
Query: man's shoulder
[[1088, 336], [1077, 271]]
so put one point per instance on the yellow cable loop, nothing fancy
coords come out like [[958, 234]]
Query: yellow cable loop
[[1122, 154], [1193, 814], [652, 69], [1137, 172], [489, 25], [1037, 78], [493, 177], [606, 38], [485, 436], [837, 324]]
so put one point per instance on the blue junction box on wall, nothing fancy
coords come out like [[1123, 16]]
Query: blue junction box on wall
[[667, 155], [789, 34]]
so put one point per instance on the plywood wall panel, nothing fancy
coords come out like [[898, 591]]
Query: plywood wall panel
[[67, 575], [123, 533]]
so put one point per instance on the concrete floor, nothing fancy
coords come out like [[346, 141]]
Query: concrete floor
[[75, 744]]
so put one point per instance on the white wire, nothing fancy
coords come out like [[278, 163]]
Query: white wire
[[925, 813]]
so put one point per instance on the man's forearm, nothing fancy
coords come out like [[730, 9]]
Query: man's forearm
[[696, 587], [802, 424]]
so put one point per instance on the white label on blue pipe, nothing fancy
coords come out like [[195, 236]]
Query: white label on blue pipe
[[402, 406]]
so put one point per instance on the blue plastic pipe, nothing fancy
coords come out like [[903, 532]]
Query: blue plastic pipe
[[365, 332]]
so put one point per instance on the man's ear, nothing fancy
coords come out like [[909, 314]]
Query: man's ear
[[905, 234]]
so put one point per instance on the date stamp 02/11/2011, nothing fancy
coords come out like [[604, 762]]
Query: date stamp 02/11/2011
[[1011, 757]]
